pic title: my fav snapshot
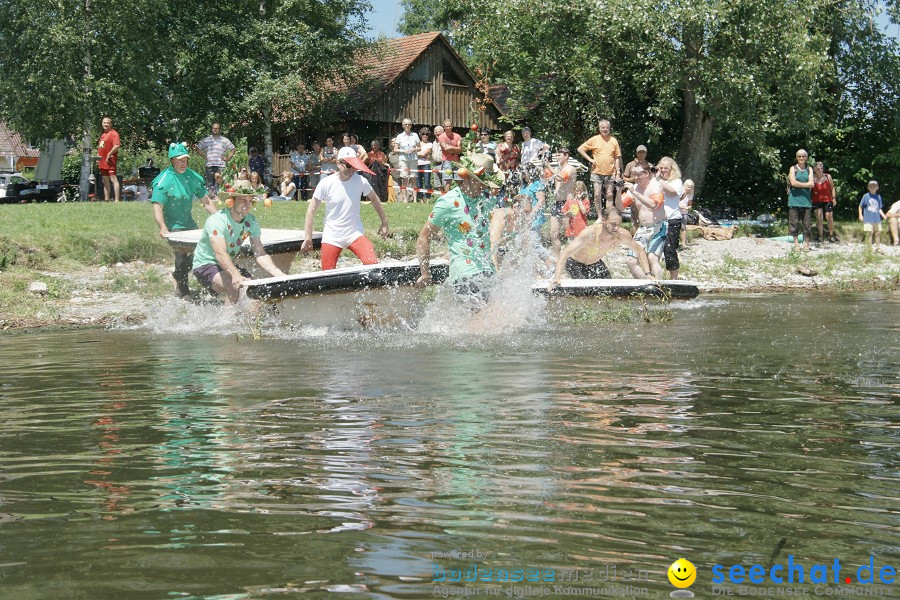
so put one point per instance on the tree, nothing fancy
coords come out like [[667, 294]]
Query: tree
[[724, 86], [67, 64], [700, 64], [420, 16], [270, 61]]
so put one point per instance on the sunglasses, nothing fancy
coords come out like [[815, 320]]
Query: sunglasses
[[346, 164]]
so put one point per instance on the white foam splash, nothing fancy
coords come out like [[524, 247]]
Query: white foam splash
[[511, 306], [174, 316], [696, 304]]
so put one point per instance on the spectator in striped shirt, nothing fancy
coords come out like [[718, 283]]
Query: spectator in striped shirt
[[217, 150]]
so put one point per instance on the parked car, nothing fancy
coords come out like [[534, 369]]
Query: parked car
[[15, 188], [7, 178]]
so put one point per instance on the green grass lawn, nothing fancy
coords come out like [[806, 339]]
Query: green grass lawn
[[101, 233]]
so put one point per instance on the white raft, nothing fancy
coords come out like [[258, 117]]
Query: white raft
[[361, 296], [281, 244], [622, 288]]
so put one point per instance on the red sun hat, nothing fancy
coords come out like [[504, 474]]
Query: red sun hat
[[348, 155]]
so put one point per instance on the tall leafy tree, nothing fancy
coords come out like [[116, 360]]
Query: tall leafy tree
[[65, 64], [265, 62], [743, 67], [165, 71], [420, 16], [723, 85]]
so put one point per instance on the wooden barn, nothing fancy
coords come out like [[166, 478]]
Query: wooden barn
[[418, 76]]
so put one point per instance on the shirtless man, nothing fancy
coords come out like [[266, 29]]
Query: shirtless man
[[583, 258], [565, 186], [647, 196]]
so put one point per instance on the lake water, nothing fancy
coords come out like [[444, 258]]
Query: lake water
[[170, 462]]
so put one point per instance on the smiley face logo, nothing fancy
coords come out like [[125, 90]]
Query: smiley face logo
[[682, 573]]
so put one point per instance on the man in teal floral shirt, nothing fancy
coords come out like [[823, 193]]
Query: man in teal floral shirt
[[463, 214]]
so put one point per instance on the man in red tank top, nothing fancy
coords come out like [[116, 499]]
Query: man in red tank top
[[108, 149]]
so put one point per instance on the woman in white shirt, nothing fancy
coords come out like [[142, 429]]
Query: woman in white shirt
[[406, 144], [286, 188], [669, 178]]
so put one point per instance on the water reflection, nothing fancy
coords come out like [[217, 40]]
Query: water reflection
[[171, 464]]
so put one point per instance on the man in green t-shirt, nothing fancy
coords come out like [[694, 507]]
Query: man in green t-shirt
[[464, 215], [174, 191], [223, 234]]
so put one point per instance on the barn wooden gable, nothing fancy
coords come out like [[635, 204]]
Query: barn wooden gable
[[423, 78]]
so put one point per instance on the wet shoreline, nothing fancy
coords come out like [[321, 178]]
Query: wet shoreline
[[737, 266]]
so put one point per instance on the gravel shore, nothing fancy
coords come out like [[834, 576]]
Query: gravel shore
[[127, 292]]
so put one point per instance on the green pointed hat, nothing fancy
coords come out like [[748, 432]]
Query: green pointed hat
[[177, 150]]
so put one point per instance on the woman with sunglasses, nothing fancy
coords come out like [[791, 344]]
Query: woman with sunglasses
[[485, 145]]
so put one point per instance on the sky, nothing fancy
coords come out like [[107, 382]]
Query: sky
[[384, 18], [386, 14]]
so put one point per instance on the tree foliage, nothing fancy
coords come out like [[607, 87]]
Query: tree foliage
[[66, 63], [165, 71], [731, 88]]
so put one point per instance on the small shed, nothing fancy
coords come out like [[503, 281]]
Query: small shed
[[418, 76]]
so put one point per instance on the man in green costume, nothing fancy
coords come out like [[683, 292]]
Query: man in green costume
[[174, 191]]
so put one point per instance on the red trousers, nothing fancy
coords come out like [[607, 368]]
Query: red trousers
[[361, 247]]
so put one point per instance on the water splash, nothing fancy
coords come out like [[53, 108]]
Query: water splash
[[174, 316], [511, 304]]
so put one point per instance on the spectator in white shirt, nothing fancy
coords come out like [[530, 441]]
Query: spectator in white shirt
[[406, 144], [533, 149]]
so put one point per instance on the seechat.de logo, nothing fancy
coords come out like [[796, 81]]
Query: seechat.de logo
[[797, 573]]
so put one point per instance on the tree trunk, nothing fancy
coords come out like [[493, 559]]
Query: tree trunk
[[87, 139], [696, 141], [267, 143], [84, 186]]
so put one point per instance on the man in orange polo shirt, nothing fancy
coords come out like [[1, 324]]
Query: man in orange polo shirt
[[607, 160]]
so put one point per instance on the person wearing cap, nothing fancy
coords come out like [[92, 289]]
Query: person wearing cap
[[463, 214], [216, 150], [174, 191], [343, 228], [871, 214], [606, 158], [640, 160], [221, 241], [533, 149]]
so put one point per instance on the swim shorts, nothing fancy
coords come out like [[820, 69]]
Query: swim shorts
[[651, 238], [579, 270], [206, 273], [474, 291]]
